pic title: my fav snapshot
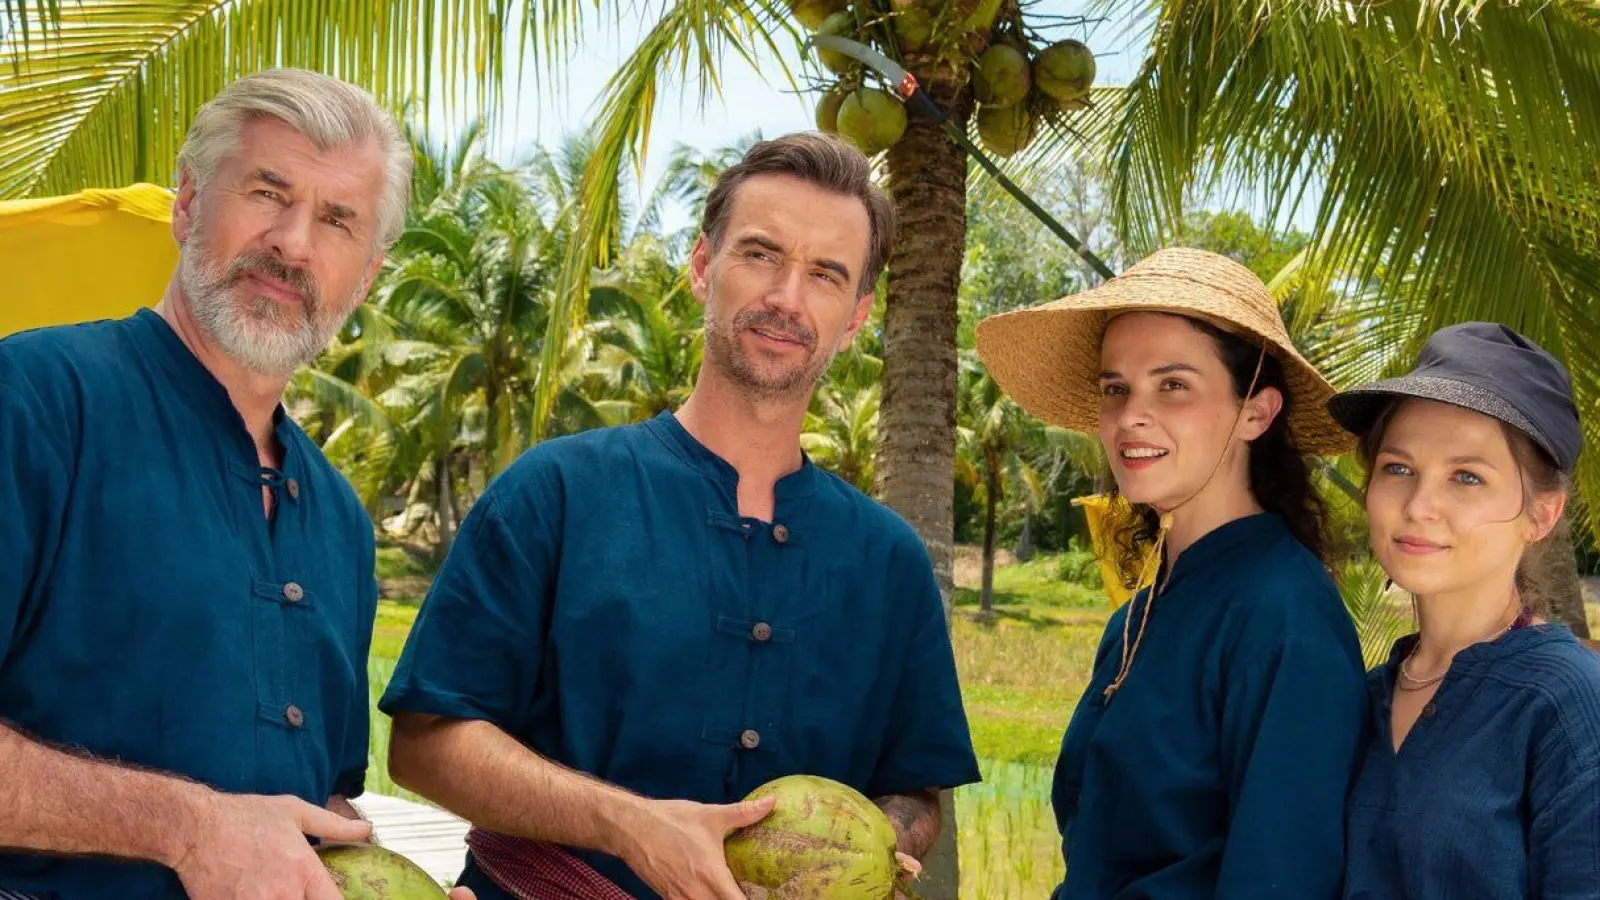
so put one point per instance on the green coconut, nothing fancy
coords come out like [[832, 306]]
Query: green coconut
[[913, 25], [1001, 77], [828, 110], [823, 839], [977, 15], [369, 872], [872, 120], [1008, 130], [841, 24], [1065, 71], [812, 13]]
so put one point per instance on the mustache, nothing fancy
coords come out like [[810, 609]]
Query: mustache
[[773, 321], [304, 283]]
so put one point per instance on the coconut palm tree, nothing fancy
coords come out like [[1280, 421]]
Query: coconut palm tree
[[841, 431], [648, 343]]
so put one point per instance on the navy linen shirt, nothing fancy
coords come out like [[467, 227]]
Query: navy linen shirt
[[1496, 790], [149, 611], [606, 604], [1221, 766]]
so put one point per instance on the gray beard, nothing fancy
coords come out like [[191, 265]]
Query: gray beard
[[256, 332]]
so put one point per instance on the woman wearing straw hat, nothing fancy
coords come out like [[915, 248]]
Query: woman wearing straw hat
[[1211, 754], [1481, 775]]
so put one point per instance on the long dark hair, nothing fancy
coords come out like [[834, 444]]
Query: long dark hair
[[1280, 479]]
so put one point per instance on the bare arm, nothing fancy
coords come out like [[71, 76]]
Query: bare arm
[[222, 846], [60, 804], [484, 775], [491, 779], [916, 818]]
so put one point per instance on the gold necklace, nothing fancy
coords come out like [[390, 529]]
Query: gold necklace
[[1418, 683]]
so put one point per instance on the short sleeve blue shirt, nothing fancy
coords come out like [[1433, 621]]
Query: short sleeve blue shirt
[[150, 613], [1221, 766], [1496, 790], [606, 603]]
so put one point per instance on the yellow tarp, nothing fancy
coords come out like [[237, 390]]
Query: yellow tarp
[[96, 254]]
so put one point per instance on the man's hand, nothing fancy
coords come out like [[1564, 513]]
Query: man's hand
[[676, 846], [250, 847], [463, 894]]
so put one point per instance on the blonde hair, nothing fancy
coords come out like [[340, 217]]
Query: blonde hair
[[326, 111]]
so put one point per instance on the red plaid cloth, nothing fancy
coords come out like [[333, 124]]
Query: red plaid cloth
[[532, 870]]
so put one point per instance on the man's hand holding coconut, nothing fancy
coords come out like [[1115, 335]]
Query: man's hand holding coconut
[[638, 627]]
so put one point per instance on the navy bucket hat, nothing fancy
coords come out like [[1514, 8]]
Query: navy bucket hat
[[1487, 368]]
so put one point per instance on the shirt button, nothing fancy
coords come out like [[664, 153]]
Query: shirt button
[[294, 489], [1429, 709], [761, 632], [294, 716], [750, 740], [780, 533], [293, 593]]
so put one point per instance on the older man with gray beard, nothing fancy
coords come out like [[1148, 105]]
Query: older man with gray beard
[[186, 583]]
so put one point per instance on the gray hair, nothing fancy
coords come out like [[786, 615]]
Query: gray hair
[[326, 111]]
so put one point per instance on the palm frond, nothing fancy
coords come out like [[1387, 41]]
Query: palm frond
[[341, 398], [100, 93]]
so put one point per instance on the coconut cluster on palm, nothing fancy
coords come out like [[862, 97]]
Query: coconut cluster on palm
[[1019, 81]]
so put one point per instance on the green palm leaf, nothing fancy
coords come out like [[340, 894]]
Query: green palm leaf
[[100, 92]]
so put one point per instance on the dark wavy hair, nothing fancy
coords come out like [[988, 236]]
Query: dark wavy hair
[[1280, 478]]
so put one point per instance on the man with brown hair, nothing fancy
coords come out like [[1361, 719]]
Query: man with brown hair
[[639, 625]]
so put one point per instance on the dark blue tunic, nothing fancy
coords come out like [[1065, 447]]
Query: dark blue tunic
[[606, 603], [1220, 768], [149, 611], [1496, 790]]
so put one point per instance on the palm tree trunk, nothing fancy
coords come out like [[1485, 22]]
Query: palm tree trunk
[[991, 503], [447, 505], [915, 469], [1024, 549]]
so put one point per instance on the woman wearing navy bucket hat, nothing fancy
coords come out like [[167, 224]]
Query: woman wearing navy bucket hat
[[1481, 777]]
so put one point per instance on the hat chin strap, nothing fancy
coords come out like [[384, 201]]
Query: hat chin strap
[[1153, 559]]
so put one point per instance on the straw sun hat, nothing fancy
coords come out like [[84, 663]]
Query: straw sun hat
[[1047, 357]]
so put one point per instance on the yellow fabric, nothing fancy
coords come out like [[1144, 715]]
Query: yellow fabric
[[1096, 510], [96, 254]]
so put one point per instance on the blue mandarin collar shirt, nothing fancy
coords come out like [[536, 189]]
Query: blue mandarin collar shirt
[[1221, 766], [150, 613], [1495, 792], [606, 604]]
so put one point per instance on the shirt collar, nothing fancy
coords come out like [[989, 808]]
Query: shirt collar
[[187, 370], [699, 457], [1483, 654], [1222, 542]]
